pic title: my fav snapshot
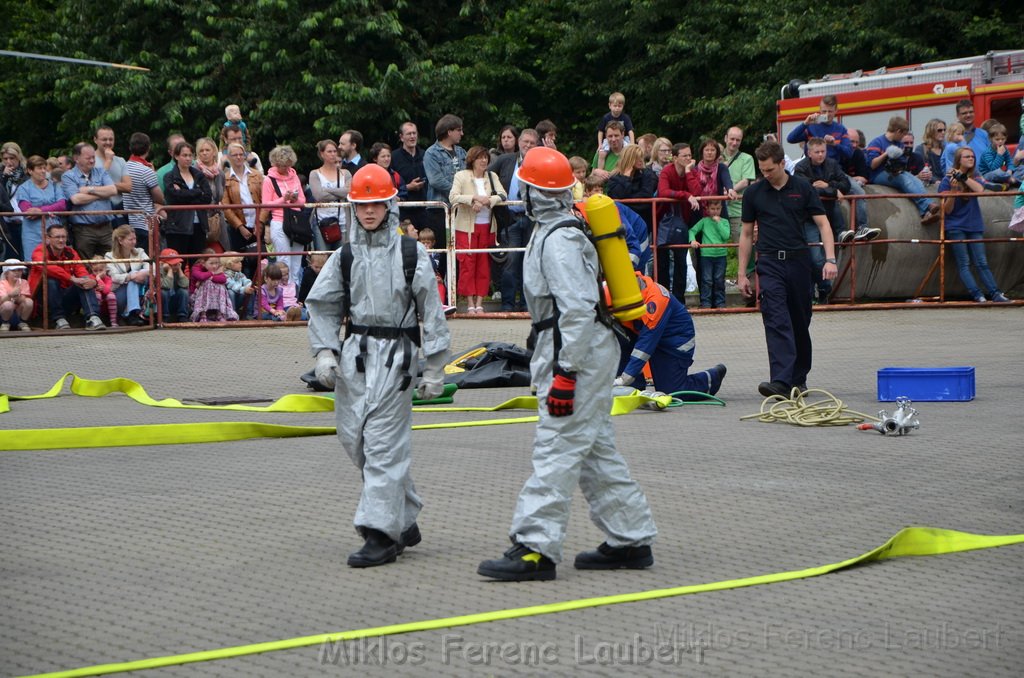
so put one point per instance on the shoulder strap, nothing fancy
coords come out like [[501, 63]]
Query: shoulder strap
[[409, 258], [346, 280], [277, 188]]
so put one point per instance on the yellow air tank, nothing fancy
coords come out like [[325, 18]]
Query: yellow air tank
[[610, 240]]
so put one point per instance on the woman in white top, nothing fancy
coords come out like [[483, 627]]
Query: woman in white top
[[475, 192], [130, 277], [329, 183]]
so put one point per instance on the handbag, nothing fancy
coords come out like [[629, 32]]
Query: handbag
[[672, 230], [330, 227], [214, 221], [295, 221]]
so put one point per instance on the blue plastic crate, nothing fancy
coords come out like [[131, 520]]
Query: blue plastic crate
[[928, 384]]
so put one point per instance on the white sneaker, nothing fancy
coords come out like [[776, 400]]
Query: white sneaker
[[5, 327], [24, 327], [94, 323], [846, 236], [62, 324]]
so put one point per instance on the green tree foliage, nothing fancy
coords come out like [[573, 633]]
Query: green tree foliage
[[303, 70]]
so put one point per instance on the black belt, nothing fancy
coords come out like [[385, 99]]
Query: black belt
[[782, 255]]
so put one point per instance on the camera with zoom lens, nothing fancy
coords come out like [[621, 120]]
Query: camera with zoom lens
[[957, 175]]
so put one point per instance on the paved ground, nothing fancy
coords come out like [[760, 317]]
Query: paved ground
[[126, 553]]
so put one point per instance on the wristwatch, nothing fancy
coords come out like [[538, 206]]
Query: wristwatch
[[830, 261]]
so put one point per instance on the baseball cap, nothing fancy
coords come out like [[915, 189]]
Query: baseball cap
[[169, 256], [13, 265]]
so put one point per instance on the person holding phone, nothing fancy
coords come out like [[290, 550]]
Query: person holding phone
[[287, 192]]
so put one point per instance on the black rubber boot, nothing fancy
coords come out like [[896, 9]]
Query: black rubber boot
[[379, 549], [410, 537], [612, 558], [519, 564]]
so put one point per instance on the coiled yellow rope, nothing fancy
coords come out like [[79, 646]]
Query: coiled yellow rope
[[799, 411]]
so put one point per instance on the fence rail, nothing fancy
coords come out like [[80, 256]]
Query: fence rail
[[848, 266]]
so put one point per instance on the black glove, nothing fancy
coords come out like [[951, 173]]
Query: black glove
[[562, 393]]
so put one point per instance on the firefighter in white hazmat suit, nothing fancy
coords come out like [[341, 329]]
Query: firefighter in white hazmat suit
[[373, 368], [573, 367]]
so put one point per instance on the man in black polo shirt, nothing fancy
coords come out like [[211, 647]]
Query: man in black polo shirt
[[781, 204], [407, 160]]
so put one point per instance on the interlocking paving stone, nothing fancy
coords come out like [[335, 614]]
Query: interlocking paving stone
[[126, 553]]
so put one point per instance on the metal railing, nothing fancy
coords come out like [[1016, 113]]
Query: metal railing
[[848, 266]]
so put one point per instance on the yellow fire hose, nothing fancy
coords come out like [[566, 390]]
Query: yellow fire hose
[[910, 541]]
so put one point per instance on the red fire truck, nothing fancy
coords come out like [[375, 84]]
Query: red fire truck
[[994, 82]]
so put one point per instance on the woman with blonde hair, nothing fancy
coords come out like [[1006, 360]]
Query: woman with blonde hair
[[475, 192], [130, 277], [286, 195], [630, 179], [208, 161], [661, 155], [932, 145]]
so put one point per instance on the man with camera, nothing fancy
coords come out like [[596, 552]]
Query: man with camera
[[823, 125], [889, 160]]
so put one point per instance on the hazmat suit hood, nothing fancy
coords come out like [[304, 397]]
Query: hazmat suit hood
[[384, 234], [547, 207]]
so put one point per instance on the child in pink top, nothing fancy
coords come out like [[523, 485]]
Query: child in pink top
[[15, 298], [272, 295], [292, 306], [211, 300], [104, 289]]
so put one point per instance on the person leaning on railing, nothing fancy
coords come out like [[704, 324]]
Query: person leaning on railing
[[243, 186], [964, 222]]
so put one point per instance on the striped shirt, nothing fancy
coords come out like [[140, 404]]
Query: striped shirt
[[140, 197]]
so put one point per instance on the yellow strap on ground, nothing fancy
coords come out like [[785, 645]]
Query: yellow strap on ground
[[910, 541], [150, 434], [294, 403], [214, 432], [97, 388]]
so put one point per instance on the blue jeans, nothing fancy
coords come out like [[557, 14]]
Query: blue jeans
[[712, 282], [963, 252], [512, 273], [128, 298], [175, 303], [862, 205], [905, 182], [63, 302]]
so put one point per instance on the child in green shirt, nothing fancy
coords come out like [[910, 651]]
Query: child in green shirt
[[712, 259]]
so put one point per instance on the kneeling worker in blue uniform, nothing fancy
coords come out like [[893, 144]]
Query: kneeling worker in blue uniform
[[664, 337]]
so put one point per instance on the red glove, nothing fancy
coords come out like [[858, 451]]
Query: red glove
[[562, 393]]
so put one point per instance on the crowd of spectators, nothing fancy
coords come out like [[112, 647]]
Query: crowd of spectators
[[207, 271]]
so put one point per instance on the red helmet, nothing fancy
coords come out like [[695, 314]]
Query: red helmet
[[372, 183], [546, 169]]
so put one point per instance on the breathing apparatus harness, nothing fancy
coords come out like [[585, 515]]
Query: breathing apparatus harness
[[411, 335]]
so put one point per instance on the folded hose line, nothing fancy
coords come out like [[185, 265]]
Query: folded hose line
[[211, 432], [910, 541], [294, 403]]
